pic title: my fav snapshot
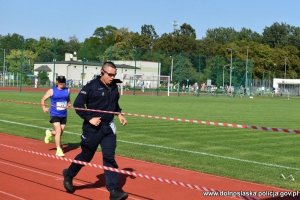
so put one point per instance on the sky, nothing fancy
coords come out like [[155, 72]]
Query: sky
[[63, 19]]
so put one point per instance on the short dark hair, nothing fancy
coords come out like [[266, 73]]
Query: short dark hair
[[61, 79], [109, 64]]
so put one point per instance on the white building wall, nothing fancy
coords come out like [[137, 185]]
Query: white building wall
[[145, 67], [74, 71], [280, 81]]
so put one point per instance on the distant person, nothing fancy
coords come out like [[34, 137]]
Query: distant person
[[60, 101], [241, 91], [143, 86], [273, 91], [35, 83], [99, 128]]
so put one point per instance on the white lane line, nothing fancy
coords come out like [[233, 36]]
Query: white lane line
[[58, 178], [31, 170], [11, 195], [211, 155], [174, 149]]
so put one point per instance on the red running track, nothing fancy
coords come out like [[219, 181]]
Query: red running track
[[30, 176]]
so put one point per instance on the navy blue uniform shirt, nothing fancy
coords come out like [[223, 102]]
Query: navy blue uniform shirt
[[96, 95]]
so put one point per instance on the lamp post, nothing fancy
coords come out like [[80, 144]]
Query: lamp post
[[172, 65], [263, 79], [54, 60], [54, 76], [230, 68], [285, 68], [67, 75], [134, 79], [246, 77], [21, 70], [223, 76], [199, 62], [4, 67], [82, 75], [134, 72], [270, 77], [187, 84], [284, 72]]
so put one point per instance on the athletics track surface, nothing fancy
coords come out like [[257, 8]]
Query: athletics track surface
[[31, 176]]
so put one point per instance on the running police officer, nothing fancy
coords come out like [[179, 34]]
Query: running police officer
[[99, 128]]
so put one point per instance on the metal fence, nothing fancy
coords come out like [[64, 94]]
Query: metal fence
[[255, 87]]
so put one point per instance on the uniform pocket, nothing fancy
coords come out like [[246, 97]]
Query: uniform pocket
[[85, 138], [106, 129], [113, 127]]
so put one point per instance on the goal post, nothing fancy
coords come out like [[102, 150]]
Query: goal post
[[145, 84]]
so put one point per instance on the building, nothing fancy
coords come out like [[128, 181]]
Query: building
[[286, 86], [79, 72]]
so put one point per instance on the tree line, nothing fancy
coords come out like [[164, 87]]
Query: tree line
[[275, 52]]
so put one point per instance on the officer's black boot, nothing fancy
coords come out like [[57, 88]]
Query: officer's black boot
[[118, 194], [68, 182]]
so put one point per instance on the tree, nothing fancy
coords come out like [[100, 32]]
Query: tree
[[165, 43], [31, 44], [72, 46], [183, 70], [117, 52], [267, 51], [294, 38], [45, 50], [248, 35], [138, 41], [149, 35], [277, 35], [58, 49], [43, 77], [149, 31], [91, 49], [14, 41], [222, 35], [187, 30], [122, 35], [106, 36], [17, 59]]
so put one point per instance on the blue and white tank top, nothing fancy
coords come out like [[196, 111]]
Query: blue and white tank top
[[59, 102]]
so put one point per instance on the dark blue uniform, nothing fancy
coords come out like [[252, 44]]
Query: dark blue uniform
[[96, 95]]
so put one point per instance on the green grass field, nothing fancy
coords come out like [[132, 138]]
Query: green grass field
[[256, 156]]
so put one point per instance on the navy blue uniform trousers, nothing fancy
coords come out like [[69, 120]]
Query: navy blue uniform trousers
[[91, 138]]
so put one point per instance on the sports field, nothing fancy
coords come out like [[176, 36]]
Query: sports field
[[245, 154]]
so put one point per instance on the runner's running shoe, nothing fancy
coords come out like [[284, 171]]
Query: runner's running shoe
[[48, 136], [59, 152]]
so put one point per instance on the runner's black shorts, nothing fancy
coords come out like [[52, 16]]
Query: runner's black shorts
[[61, 120]]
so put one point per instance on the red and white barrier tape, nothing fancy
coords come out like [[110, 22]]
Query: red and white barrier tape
[[149, 177], [223, 124], [204, 122]]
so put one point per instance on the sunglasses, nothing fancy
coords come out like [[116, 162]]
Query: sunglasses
[[109, 74]]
